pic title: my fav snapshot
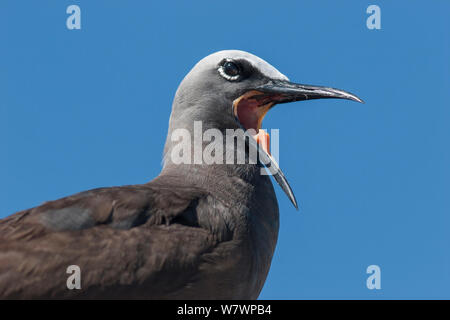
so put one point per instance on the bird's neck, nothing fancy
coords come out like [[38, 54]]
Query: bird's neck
[[209, 153], [232, 181], [202, 157]]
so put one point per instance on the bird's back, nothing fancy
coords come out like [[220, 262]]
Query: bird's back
[[163, 240]]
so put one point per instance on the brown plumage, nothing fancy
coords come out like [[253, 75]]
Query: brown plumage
[[161, 240]]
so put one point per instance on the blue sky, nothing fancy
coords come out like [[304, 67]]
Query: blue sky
[[81, 109]]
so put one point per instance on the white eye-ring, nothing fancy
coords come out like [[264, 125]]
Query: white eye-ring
[[230, 70]]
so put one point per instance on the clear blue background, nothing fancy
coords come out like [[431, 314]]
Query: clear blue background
[[88, 108]]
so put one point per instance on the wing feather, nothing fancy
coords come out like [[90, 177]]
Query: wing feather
[[129, 242]]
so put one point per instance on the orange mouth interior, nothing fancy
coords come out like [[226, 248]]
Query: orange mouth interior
[[250, 112]]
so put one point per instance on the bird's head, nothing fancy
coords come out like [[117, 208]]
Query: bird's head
[[234, 89]]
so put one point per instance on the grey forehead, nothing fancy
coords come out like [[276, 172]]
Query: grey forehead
[[263, 66]]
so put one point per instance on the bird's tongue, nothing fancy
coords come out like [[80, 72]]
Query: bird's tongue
[[263, 139]]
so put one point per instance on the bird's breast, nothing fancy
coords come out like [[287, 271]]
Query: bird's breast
[[248, 229]]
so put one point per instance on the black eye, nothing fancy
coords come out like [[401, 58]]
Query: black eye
[[230, 70]]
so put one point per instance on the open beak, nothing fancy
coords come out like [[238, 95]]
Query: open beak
[[251, 108]]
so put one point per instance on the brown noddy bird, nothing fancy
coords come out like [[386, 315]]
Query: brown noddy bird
[[197, 231]]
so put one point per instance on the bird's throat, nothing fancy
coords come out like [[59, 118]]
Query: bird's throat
[[250, 112]]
